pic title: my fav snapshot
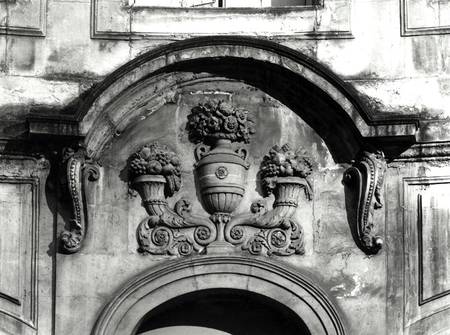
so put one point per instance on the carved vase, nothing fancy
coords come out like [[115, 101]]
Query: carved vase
[[222, 174], [151, 190], [287, 194]]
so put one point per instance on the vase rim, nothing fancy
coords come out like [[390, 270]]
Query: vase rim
[[149, 178]]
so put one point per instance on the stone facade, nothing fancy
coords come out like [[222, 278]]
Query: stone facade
[[100, 227]]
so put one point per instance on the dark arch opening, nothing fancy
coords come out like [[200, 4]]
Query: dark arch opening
[[233, 311]]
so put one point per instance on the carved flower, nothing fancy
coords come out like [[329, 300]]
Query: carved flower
[[160, 237], [257, 206], [214, 123], [231, 124], [185, 248], [256, 247], [203, 233], [241, 115], [236, 233], [278, 238], [210, 121], [225, 108]]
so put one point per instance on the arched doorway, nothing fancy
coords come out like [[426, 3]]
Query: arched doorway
[[185, 330], [191, 291], [225, 310]]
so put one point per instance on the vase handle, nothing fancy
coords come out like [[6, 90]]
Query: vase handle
[[200, 151], [242, 152]]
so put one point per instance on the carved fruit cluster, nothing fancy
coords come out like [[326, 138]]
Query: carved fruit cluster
[[156, 159], [284, 162], [219, 120]]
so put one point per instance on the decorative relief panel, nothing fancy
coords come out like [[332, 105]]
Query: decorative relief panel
[[18, 240], [140, 19], [220, 132], [424, 17], [23, 17], [427, 252]]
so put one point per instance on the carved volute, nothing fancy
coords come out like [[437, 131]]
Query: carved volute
[[364, 181], [78, 169]]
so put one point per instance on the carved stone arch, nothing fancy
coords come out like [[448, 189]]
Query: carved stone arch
[[124, 313], [328, 104]]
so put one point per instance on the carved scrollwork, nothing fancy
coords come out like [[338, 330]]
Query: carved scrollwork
[[277, 241], [221, 172], [283, 173], [162, 240], [79, 170], [364, 181], [155, 175]]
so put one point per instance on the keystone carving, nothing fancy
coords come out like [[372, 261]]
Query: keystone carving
[[221, 173], [365, 182], [79, 169]]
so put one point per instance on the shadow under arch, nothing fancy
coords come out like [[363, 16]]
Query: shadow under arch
[[329, 105], [131, 305], [229, 310]]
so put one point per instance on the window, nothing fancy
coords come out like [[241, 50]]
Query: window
[[230, 3]]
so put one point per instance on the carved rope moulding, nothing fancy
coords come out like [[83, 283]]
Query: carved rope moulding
[[220, 132]]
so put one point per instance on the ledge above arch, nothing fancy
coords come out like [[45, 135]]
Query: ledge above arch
[[324, 101], [130, 305]]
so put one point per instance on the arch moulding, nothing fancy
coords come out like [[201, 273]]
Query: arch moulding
[[329, 105], [124, 313], [332, 107]]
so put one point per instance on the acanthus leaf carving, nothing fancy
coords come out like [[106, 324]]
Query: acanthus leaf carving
[[365, 180], [79, 169]]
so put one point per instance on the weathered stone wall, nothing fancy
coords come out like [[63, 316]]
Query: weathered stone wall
[[395, 53], [397, 74], [110, 257]]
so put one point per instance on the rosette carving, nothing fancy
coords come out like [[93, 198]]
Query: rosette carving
[[155, 173], [80, 170], [364, 183]]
